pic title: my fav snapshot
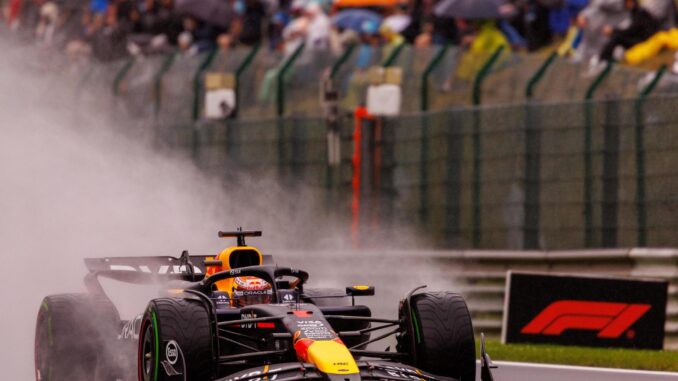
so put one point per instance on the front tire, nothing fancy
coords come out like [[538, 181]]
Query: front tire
[[175, 338], [443, 337]]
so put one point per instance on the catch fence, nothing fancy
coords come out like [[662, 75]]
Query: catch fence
[[553, 157]]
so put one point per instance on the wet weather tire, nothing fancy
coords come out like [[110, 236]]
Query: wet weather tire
[[73, 334], [444, 335], [175, 339]]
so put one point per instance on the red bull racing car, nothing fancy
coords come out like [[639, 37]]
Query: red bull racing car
[[238, 317]]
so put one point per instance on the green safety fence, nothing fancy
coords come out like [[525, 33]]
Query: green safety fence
[[170, 87], [586, 169], [175, 97], [448, 179]]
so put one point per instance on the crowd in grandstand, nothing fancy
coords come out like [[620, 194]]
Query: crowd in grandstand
[[592, 30]]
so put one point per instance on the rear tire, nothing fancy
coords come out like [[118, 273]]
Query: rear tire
[[74, 335], [443, 337], [175, 332]]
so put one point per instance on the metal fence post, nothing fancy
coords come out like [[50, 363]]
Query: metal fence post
[[333, 123], [280, 79], [280, 104], [435, 61], [342, 60], [538, 75], [196, 82], [610, 199], [477, 144], [244, 65], [393, 56], [533, 161], [588, 154], [157, 83], [117, 81], [454, 136], [641, 211], [423, 182]]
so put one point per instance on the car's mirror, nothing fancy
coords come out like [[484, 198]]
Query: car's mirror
[[360, 290]]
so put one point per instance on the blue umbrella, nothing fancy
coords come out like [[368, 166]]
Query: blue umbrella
[[359, 20]]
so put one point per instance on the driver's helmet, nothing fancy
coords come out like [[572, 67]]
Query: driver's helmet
[[249, 290]]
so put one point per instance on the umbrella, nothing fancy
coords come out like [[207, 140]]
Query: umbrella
[[359, 20], [469, 9], [366, 3], [216, 12], [397, 23]]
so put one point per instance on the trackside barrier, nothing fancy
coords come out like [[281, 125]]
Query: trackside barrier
[[480, 275]]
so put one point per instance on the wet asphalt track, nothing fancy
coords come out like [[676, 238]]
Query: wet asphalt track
[[513, 371]]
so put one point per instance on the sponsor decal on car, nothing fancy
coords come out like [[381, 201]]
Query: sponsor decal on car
[[130, 330], [162, 270], [172, 352], [288, 298], [262, 372]]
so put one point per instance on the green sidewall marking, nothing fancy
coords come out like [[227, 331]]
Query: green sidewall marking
[[157, 345], [416, 327]]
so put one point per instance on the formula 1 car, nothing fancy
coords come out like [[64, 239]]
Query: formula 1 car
[[237, 317]]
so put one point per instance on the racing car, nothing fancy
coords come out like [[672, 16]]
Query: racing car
[[237, 316]]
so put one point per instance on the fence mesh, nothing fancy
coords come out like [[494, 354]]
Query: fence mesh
[[529, 169], [558, 174]]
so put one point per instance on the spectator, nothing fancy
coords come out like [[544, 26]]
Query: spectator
[[186, 46], [252, 22], [49, 15], [281, 18], [425, 39], [224, 42], [598, 16], [318, 31], [642, 26]]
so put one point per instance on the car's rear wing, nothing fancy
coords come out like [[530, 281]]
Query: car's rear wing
[[152, 269]]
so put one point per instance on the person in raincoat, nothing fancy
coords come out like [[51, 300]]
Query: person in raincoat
[[644, 23], [598, 15], [481, 45]]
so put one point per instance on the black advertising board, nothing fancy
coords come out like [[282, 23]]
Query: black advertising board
[[586, 311]]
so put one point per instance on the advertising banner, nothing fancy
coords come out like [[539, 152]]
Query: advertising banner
[[586, 311]]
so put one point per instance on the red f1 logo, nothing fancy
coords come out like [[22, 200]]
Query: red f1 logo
[[610, 319]]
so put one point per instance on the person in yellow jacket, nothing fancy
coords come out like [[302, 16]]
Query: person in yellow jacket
[[480, 46], [651, 47]]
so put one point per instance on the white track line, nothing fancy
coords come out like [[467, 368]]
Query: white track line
[[520, 371]]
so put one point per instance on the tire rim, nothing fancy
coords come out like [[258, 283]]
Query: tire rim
[[146, 354]]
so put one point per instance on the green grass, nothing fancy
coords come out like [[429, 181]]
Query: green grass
[[581, 356]]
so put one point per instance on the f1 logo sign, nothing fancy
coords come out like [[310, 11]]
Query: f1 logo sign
[[611, 320]]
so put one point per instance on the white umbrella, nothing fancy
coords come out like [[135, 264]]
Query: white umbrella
[[397, 23]]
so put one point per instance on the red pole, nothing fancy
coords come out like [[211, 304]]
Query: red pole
[[359, 114]]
